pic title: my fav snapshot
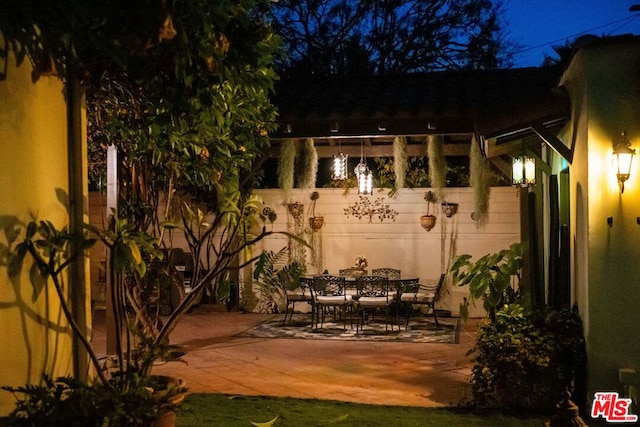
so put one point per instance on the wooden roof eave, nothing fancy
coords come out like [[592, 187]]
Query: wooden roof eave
[[540, 117], [371, 127]]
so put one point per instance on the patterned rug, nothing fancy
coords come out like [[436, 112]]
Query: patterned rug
[[420, 330]]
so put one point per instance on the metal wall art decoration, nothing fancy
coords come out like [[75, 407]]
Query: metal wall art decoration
[[365, 208]]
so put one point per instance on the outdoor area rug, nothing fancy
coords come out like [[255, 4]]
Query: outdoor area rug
[[421, 330]]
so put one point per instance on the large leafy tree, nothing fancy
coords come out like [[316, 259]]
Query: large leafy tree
[[180, 87], [193, 115], [391, 36]]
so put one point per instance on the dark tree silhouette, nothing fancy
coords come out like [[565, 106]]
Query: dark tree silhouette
[[390, 36]]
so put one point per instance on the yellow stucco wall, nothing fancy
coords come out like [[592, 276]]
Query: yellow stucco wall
[[33, 164], [604, 83]]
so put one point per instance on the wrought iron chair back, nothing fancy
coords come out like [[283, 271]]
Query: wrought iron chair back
[[373, 293], [301, 294], [391, 273], [330, 291], [373, 286], [329, 285], [415, 293]]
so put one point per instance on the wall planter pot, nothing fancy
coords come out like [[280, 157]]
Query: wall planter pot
[[177, 389], [296, 209], [428, 221], [449, 209], [316, 222]]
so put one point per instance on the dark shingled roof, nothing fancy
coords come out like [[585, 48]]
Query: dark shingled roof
[[446, 102]]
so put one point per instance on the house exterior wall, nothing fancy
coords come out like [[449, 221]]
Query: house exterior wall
[[33, 165], [603, 82]]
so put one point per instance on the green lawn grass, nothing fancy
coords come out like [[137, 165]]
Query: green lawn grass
[[202, 410]]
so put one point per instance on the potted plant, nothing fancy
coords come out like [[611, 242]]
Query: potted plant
[[315, 222], [428, 221], [296, 209], [449, 209]]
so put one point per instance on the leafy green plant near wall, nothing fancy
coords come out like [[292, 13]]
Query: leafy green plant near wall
[[526, 360], [275, 275], [493, 278]]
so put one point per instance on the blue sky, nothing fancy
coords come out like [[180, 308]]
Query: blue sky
[[539, 24]]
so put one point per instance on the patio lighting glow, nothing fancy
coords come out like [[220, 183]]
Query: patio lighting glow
[[623, 157], [340, 166], [523, 171], [364, 175], [365, 182]]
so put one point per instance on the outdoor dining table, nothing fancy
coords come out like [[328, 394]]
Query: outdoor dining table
[[397, 283], [352, 279]]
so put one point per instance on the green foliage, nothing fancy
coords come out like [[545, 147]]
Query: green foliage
[[308, 165], [274, 276], [415, 171], [431, 198], [490, 278], [480, 179], [192, 116], [242, 410], [526, 360], [68, 402], [400, 160], [437, 164]]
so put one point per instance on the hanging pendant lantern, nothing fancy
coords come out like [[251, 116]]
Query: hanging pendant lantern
[[365, 182], [363, 175], [340, 167]]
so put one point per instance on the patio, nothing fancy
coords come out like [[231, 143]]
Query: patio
[[390, 373]]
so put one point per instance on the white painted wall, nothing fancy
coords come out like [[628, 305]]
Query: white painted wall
[[403, 243]]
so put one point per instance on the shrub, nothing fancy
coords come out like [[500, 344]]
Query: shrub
[[65, 401], [526, 361]]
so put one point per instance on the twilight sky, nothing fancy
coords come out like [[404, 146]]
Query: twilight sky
[[539, 24]]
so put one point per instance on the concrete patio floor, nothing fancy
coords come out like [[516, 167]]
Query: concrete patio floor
[[389, 373]]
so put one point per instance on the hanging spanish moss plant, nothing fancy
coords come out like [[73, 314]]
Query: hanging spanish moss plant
[[400, 160], [437, 164], [286, 166], [308, 168], [480, 177]]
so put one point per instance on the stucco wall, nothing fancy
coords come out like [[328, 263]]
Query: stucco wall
[[603, 81], [32, 166]]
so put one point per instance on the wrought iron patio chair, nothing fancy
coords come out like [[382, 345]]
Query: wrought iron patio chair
[[300, 294], [422, 294], [374, 293], [391, 273], [330, 292]]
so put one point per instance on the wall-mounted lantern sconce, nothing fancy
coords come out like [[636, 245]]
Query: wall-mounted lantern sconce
[[523, 170], [623, 156]]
